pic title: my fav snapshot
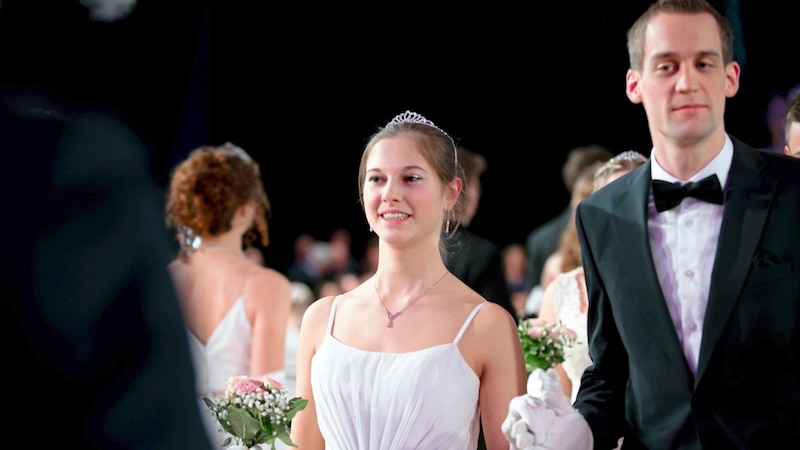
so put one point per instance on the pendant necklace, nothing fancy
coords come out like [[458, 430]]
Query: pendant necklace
[[390, 316]]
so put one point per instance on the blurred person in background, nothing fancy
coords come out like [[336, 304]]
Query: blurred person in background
[[236, 310], [476, 260], [86, 299], [543, 240], [792, 147]]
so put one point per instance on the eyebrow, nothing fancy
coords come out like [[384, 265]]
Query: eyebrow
[[702, 54], [411, 167]]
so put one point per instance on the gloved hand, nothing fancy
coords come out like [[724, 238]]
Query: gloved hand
[[569, 430], [544, 419], [540, 381], [527, 422]]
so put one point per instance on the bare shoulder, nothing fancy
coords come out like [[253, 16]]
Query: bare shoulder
[[265, 279], [267, 275], [489, 317], [492, 318], [318, 310], [315, 319]]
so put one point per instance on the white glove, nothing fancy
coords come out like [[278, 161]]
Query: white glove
[[544, 419], [527, 423], [540, 381], [569, 429]]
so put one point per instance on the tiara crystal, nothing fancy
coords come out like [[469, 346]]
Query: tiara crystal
[[629, 155], [412, 117], [238, 151]]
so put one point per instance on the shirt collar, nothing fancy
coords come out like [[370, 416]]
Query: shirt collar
[[720, 166]]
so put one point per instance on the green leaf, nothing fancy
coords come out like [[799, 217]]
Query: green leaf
[[296, 405], [283, 435], [243, 425]]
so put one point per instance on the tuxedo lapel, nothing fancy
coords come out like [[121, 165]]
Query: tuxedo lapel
[[747, 200], [649, 300]]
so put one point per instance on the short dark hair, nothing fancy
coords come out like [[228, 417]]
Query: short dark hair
[[580, 158], [636, 31]]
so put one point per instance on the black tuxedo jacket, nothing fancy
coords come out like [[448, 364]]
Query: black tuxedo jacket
[[746, 393]]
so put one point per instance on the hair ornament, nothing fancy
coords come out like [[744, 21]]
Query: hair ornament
[[628, 155], [188, 240], [412, 117], [236, 150]]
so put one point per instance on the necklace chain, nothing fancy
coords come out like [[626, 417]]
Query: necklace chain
[[390, 316], [221, 248]]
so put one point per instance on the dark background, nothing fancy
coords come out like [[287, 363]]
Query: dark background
[[301, 87]]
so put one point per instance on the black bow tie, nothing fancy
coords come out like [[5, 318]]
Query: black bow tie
[[669, 195]]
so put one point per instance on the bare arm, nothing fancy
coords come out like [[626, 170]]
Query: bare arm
[[503, 376], [305, 429], [269, 300]]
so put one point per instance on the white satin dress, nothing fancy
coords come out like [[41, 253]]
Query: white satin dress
[[226, 354], [425, 399]]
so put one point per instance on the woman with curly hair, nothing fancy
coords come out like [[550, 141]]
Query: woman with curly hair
[[236, 311]]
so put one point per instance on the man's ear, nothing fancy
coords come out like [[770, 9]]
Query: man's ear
[[632, 86], [732, 73]]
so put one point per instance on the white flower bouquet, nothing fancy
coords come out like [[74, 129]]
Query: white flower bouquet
[[255, 411]]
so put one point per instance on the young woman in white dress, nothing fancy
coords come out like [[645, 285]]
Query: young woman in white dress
[[236, 310], [412, 357]]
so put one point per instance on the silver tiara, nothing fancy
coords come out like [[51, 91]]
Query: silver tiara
[[238, 151], [412, 117], [629, 155]]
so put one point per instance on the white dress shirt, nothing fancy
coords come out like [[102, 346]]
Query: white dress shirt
[[684, 244]]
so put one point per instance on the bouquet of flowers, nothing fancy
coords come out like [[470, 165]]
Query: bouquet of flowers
[[255, 411], [543, 344]]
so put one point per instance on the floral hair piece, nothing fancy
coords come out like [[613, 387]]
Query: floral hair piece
[[412, 117]]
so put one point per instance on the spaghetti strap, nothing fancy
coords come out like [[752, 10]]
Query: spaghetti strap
[[333, 313], [468, 321]]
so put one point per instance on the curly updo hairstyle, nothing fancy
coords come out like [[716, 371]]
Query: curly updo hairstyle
[[206, 189]]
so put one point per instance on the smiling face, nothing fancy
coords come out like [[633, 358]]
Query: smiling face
[[684, 82], [404, 200]]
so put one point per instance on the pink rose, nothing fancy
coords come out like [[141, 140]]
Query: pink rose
[[247, 385], [535, 332], [273, 383]]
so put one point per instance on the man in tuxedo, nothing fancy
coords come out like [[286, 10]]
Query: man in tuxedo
[[694, 303], [94, 343]]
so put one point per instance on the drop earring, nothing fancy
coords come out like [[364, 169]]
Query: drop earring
[[447, 227]]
